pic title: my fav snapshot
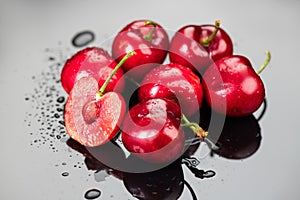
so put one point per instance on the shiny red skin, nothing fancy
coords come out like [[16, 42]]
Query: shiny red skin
[[94, 62], [108, 112], [232, 87], [149, 53], [151, 130], [175, 82], [186, 47]]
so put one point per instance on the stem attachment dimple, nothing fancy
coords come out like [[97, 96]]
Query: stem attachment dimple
[[150, 35], [267, 61], [206, 41], [103, 87], [195, 128]]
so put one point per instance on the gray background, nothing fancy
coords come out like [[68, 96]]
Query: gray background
[[28, 27]]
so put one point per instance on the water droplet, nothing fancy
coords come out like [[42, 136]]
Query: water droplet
[[60, 99], [92, 194], [65, 174], [83, 38], [61, 122]]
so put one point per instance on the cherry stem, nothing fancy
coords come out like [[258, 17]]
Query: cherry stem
[[194, 127], [206, 41], [267, 61], [150, 35], [103, 87]]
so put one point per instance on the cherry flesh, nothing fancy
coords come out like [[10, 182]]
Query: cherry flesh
[[148, 39], [91, 121], [151, 131], [190, 46], [92, 116], [94, 62], [175, 82], [232, 87]]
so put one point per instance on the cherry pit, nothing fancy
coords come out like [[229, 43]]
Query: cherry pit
[[174, 78]]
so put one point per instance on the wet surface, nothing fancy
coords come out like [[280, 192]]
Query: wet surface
[[40, 161]]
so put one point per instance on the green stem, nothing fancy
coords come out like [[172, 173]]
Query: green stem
[[102, 89], [150, 35], [267, 61], [206, 41], [194, 127]]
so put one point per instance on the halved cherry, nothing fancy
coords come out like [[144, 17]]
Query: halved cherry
[[92, 117]]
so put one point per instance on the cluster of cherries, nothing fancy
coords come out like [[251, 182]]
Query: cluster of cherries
[[202, 68]]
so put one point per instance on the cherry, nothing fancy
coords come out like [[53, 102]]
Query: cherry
[[92, 117], [197, 46], [151, 131], [232, 87], [175, 82], [148, 39], [94, 62]]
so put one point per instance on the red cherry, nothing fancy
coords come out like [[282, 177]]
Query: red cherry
[[197, 46], [148, 39], [151, 131], [91, 121], [232, 87], [92, 117], [175, 82], [94, 62]]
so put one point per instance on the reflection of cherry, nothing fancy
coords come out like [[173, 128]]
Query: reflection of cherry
[[166, 183], [102, 157], [240, 137]]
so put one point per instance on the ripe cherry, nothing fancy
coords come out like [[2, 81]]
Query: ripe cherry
[[175, 82], [197, 46], [92, 117], [94, 62], [232, 87], [148, 39], [151, 130]]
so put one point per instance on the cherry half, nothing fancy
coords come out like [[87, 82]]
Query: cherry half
[[94, 62], [198, 46], [92, 117], [175, 82], [148, 39], [232, 87], [151, 131]]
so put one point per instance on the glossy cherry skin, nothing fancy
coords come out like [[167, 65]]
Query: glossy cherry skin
[[94, 62], [175, 82], [232, 87], [151, 130], [90, 121], [186, 47], [149, 53]]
